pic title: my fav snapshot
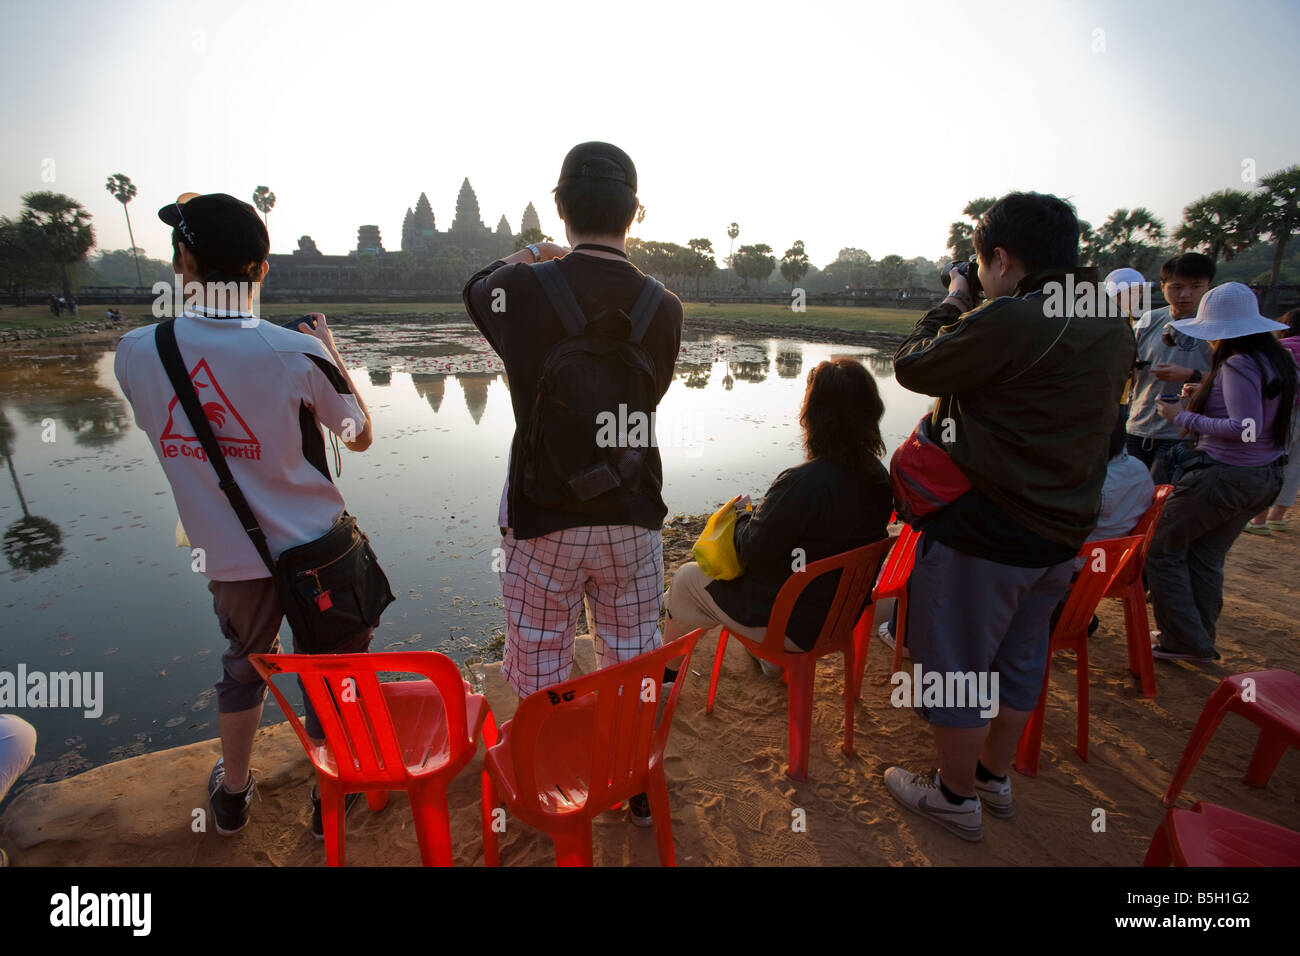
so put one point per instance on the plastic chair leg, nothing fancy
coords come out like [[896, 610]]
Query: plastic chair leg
[[661, 813], [800, 672], [1211, 716], [1138, 630], [487, 797], [376, 800], [432, 828], [1158, 852], [1268, 754], [573, 847], [900, 631], [333, 820], [717, 669], [1030, 744], [861, 647]]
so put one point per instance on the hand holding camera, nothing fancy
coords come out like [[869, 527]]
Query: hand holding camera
[[962, 277], [1169, 406]]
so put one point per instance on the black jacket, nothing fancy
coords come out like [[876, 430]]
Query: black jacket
[[1033, 399], [525, 330], [818, 506]]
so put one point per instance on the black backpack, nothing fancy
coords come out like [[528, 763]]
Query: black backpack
[[590, 430]]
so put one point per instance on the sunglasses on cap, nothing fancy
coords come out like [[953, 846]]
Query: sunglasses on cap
[[183, 226]]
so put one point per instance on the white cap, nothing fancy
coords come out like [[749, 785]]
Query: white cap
[[1123, 278], [1228, 311]]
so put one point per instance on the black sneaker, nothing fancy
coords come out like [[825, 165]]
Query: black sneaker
[[639, 807], [229, 810], [317, 821]]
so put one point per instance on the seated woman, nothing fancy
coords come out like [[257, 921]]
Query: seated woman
[[1241, 414], [837, 500]]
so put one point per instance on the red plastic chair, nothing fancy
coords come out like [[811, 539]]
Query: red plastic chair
[[1275, 709], [1129, 589], [403, 735], [893, 584], [1209, 835], [579, 748], [1071, 633], [846, 630]]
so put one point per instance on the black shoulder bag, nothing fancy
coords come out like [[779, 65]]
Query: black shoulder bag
[[331, 588]]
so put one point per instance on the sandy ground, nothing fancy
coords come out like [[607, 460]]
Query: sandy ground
[[732, 803]]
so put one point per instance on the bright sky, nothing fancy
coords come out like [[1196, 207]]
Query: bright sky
[[819, 121]]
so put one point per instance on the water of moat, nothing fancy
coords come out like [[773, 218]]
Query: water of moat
[[92, 580]]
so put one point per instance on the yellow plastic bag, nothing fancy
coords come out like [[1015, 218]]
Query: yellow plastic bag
[[715, 551]]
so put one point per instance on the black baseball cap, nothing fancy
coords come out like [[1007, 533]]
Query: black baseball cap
[[218, 225], [599, 161]]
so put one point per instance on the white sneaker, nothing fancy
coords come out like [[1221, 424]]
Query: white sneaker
[[996, 796], [920, 793], [885, 637]]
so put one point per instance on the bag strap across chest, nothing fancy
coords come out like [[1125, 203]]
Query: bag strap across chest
[[170, 355]]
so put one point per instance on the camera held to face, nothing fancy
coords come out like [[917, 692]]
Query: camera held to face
[[969, 269]]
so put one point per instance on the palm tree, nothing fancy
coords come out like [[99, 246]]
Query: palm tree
[[959, 233], [732, 232], [64, 226], [1130, 238], [264, 199], [1218, 224], [124, 191], [32, 542], [1277, 215]]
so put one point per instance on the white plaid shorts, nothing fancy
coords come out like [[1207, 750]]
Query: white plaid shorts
[[619, 569]]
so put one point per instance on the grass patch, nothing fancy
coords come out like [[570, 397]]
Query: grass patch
[[39, 316]]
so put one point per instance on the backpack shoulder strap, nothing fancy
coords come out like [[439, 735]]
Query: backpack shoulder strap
[[183, 386], [561, 296], [647, 303]]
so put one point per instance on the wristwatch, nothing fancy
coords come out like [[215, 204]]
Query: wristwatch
[[963, 298], [537, 253], [1195, 376]]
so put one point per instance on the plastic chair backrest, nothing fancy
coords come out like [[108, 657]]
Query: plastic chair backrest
[[345, 691], [1146, 527], [859, 570], [626, 701], [1103, 562], [898, 565]]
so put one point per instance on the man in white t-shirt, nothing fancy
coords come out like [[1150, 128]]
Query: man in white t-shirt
[[265, 391]]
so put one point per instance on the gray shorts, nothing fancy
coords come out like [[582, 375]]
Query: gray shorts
[[250, 615], [971, 616]]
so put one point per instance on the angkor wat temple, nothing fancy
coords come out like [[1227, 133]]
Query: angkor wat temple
[[429, 259]]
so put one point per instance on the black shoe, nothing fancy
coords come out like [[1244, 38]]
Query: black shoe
[[229, 810], [317, 821], [639, 806]]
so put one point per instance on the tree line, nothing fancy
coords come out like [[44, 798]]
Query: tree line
[[53, 235]]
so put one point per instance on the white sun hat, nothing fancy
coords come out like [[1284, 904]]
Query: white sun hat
[[1123, 278], [1228, 311]]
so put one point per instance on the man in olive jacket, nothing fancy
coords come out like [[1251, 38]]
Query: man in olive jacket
[[1028, 388]]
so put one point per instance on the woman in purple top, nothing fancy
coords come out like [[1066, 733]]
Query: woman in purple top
[[1274, 519], [1240, 416]]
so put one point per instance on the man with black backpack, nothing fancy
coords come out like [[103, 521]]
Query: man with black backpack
[[589, 344]]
